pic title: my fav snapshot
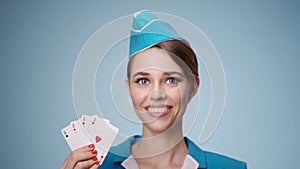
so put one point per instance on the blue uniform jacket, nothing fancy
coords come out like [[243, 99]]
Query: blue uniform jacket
[[205, 159]]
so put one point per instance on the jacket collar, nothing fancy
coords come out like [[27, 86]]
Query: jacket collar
[[124, 151], [196, 152]]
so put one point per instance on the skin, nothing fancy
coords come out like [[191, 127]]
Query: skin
[[157, 82], [81, 158]]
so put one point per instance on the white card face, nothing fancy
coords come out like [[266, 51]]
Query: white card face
[[101, 154], [75, 136], [101, 132], [89, 120], [107, 121], [84, 120]]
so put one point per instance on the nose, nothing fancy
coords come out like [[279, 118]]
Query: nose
[[157, 93]]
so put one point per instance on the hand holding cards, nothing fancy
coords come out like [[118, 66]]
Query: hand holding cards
[[91, 129]]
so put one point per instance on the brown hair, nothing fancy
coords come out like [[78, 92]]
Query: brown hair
[[181, 52]]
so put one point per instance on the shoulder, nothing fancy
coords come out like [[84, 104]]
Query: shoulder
[[212, 160], [117, 155], [206, 159], [220, 161], [111, 161]]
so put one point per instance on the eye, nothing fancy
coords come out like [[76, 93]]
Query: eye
[[142, 81], [171, 81]]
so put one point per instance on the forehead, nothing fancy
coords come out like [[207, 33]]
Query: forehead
[[154, 58]]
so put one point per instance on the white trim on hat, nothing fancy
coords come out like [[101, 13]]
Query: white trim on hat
[[154, 20], [138, 12]]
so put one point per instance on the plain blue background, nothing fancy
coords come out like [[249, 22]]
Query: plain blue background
[[258, 43]]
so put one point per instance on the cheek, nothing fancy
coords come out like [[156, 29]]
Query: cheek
[[174, 95], [178, 95], [138, 96]]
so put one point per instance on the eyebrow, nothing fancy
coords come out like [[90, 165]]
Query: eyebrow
[[165, 74], [172, 73], [141, 73]]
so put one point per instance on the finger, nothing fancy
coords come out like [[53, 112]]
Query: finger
[[96, 165], [86, 148], [84, 153], [80, 154], [84, 164]]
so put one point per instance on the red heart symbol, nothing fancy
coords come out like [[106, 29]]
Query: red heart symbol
[[98, 139]]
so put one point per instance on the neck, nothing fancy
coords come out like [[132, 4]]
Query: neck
[[165, 144]]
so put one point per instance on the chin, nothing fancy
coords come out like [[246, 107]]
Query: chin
[[157, 129], [159, 125]]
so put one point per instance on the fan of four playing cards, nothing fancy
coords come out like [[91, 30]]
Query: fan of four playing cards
[[91, 129]]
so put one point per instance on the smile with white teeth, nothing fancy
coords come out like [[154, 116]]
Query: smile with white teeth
[[157, 109]]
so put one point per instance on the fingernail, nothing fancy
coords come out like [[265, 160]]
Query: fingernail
[[95, 158], [94, 151], [97, 162], [91, 146]]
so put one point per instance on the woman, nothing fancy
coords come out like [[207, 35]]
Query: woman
[[162, 77]]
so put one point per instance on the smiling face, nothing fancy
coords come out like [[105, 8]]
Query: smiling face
[[159, 89]]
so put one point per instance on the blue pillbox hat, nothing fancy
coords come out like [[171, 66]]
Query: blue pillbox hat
[[148, 30]]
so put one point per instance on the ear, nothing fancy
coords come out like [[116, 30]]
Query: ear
[[128, 87], [194, 88]]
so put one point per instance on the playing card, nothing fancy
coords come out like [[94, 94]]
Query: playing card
[[107, 121], [75, 136], [101, 154], [84, 120], [101, 132]]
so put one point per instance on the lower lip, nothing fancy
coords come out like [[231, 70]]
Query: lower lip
[[159, 115]]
